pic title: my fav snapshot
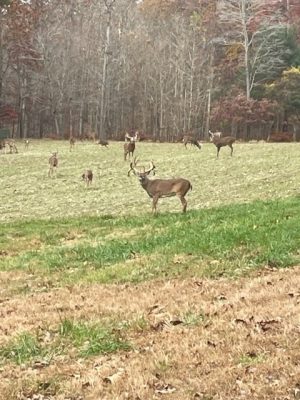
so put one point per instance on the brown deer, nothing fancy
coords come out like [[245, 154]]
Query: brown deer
[[2, 145], [72, 143], [103, 143], [192, 141], [53, 163], [87, 176], [159, 188], [129, 148], [221, 141], [26, 143], [10, 143]]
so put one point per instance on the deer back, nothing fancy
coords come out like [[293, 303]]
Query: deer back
[[166, 187], [223, 141]]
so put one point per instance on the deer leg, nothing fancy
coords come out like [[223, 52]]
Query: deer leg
[[231, 149], [184, 203], [218, 151], [154, 204]]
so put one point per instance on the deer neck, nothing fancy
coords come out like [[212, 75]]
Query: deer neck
[[146, 183]]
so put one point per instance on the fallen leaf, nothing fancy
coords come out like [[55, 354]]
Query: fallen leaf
[[165, 389]]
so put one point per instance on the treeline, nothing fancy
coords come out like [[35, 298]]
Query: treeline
[[102, 67]]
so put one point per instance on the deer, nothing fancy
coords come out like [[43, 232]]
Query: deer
[[129, 148], [11, 145], [221, 141], [72, 143], [159, 188], [53, 163], [2, 145], [87, 176], [192, 141], [103, 143], [26, 143]]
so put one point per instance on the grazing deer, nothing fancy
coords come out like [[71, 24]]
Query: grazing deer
[[10, 143], [129, 148], [221, 141], [192, 141], [26, 143], [87, 176], [53, 163], [159, 188], [103, 143], [72, 143]]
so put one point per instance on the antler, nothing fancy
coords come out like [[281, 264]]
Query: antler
[[143, 170], [151, 168], [132, 165]]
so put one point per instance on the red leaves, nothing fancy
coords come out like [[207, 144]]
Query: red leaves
[[238, 108]]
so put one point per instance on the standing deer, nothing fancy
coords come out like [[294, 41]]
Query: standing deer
[[26, 143], [221, 141], [72, 143], [159, 188], [129, 148], [87, 176], [53, 163], [192, 141]]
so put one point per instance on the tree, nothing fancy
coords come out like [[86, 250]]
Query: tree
[[251, 32]]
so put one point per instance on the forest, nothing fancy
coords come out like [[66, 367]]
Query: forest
[[100, 68]]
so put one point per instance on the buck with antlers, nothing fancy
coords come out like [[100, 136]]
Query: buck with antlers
[[53, 163], [159, 188], [192, 141], [221, 141]]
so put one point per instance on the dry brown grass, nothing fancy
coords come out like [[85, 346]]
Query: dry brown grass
[[244, 346]]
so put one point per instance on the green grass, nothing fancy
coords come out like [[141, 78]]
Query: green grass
[[229, 240], [243, 214], [21, 349], [87, 339], [92, 339]]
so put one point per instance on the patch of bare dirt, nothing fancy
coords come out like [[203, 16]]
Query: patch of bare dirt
[[245, 346]]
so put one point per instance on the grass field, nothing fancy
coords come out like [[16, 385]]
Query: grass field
[[256, 171], [101, 300]]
